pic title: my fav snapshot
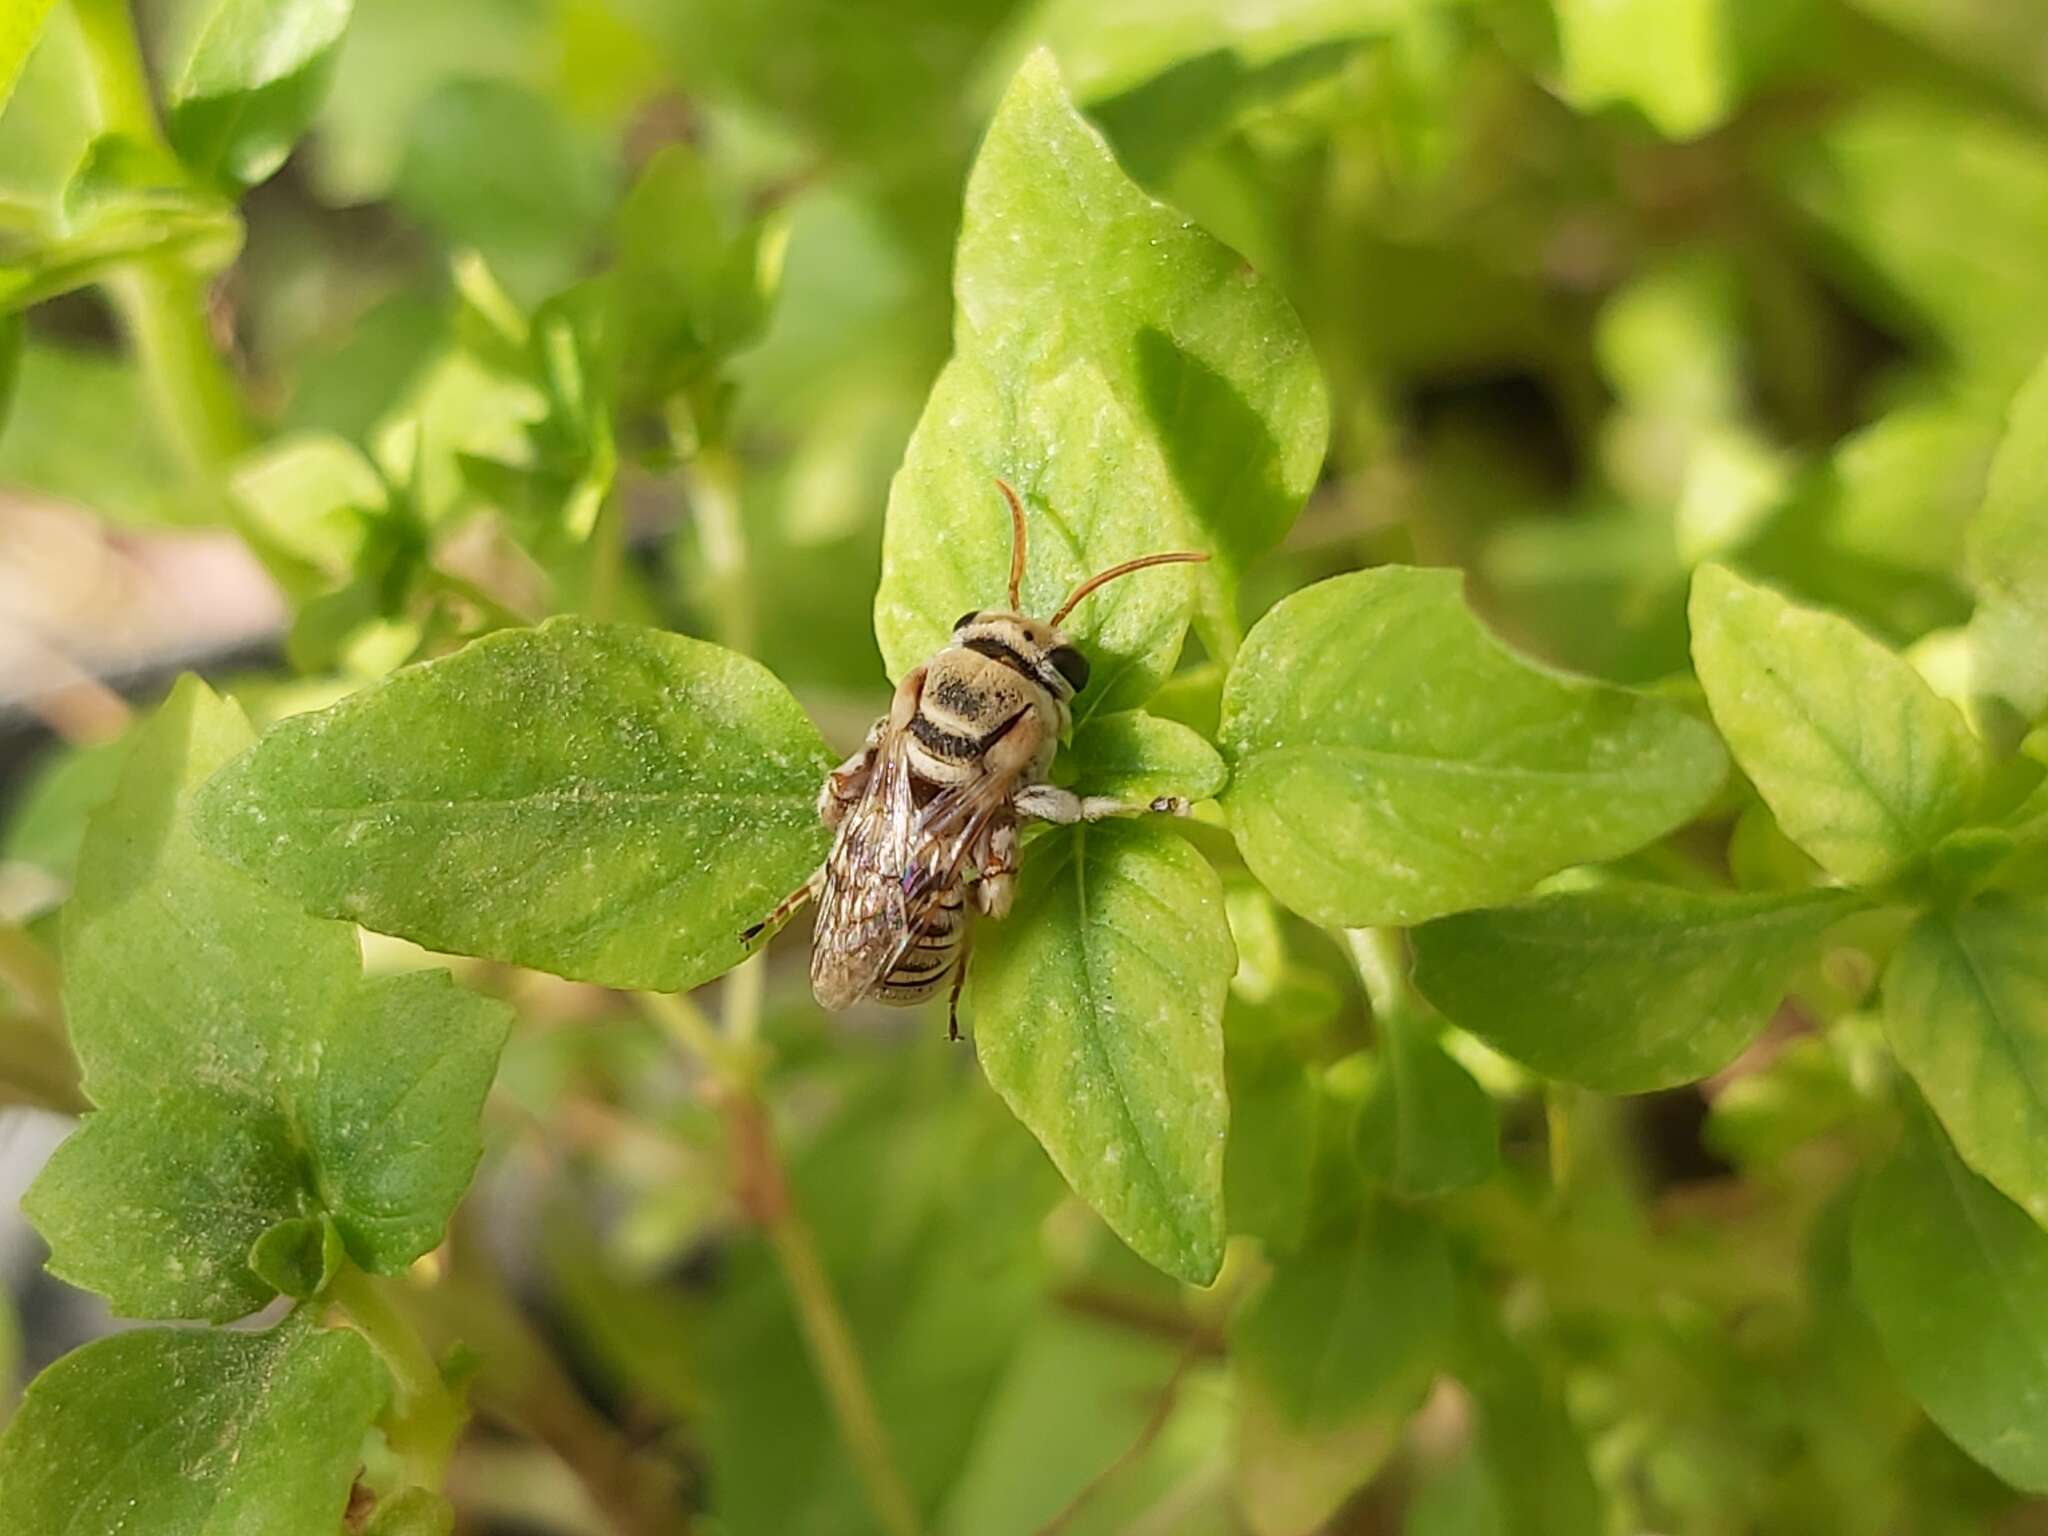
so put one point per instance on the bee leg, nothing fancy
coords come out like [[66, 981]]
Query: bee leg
[[844, 785], [1048, 802], [996, 872], [959, 981], [785, 908]]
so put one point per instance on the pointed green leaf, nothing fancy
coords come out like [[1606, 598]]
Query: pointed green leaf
[[1623, 988], [1955, 1277], [1062, 257], [1361, 1315], [178, 972], [1863, 765], [1966, 1012], [2008, 560], [1426, 1127], [246, 77], [1391, 761], [172, 1433], [1063, 261], [394, 1111], [1098, 1007], [609, 803], [247, 1076], [1138, 757], [158, 1211], [20, 26], [1096, 493]]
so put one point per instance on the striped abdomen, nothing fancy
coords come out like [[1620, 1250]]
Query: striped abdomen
[[932, 954]]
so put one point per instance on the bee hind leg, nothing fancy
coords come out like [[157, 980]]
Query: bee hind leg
[[959, 981], [786, 908], [1048, 802]]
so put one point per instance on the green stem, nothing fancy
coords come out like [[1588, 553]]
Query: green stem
[[713, 480], [163, 309], [761, 1186], [162, 306], [425, 1417], [837, 1358], [113, 58], [1382, 964]]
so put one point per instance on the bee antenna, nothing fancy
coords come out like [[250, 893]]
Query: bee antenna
[[1102, 578], [1016, 543]]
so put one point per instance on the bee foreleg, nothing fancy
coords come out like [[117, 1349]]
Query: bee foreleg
[[844, 785], [784, 909], [1048, 802]]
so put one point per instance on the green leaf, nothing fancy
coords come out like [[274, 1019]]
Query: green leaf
[[608, 803], [1096, 492], [1624, 988], [1062, 259], [1670, 59], [84, 429], [691, 283], [46, 823], [1425, 1128], [1098, 1010], [20, 26], [299, 1257], [1139, 757], [306, 502], [159, 1211], [246, 77], [497, 166], [126, 201], [2008, 562], [1937, 207], [394, 1111], [1956, 1279], [1360, 1316], [1863, 765], [1966, 1012], [178, 973], [247, 1076], [1290, 1479], [163, 1433], [1276, 1130], [1391, 761]]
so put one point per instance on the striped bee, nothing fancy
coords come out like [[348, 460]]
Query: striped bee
[[925, 813]]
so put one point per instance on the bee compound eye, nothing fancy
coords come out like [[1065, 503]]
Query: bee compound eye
[[966, 618], [1070, 664]]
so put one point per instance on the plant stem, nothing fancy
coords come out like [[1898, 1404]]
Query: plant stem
[[713, 481], [162, 305], [837, 1358], [1382, 965], [761, 1187], [426, 1417], [730, 1056], [521, 1385]]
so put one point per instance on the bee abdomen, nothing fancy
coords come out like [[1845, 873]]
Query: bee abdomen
[[925, 967]]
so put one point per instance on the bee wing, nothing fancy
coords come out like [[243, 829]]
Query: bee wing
[[891, 863], [862, 911]]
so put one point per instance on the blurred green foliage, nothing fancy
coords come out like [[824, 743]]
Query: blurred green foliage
[[1703, 338]]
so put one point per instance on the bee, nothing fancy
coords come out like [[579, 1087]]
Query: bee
[[925, 814]]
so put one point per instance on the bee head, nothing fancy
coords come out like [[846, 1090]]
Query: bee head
[[1044, 652], [1039, 647]]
